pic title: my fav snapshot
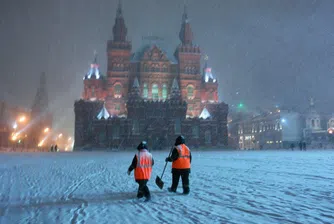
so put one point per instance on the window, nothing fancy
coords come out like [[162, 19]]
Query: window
[[313, 123], [145, 68], [93, 91], [118, 91], [207, 137], [164, 91], [177, 126], [115, 131], [135, 127], [145, 90], [164, 68], [155, 92], [118, 107], [211, 96], [190, 92], [195, 131]]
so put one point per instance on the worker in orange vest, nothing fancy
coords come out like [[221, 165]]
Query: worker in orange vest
[[181, 158], [142, 164]]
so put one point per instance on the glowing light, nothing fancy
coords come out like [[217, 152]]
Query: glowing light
[[22, 119], [60, 135], [15, 125], [14, 137], [330, 131], [283, 120], [69, 139], [46, 130], [41, 143]]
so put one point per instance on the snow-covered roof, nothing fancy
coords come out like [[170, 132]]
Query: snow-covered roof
[[103, 113], [205, 114]]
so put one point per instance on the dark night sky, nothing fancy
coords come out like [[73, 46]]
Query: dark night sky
[[272, 52]]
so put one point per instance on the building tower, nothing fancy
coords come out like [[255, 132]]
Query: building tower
[[189, 56], [40, 115], [118, 54]]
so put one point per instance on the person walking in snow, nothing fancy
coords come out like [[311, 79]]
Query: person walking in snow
[[181, 163], [142, 164]]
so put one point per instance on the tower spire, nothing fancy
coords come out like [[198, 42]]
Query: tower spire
[[119, 9], [119, 29], [185, 35], [40, 104]]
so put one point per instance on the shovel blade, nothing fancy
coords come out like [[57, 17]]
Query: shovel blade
[[159, 182]]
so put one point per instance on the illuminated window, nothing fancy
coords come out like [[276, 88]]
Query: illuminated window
[[118, 107], [117, 91], [190, 92], [145, 90], [164, 91], [155, 92], [164, 68]]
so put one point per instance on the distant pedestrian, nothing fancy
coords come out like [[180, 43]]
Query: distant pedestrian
[[304, 146], [56, 148], [142, 163], [51, 149], [292, 146], [300, 145]]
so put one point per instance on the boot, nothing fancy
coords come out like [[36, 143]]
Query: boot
[[186, 190], [171, 190]]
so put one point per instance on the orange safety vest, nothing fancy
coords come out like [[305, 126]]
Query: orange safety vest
[[183, 162], [143, 169]]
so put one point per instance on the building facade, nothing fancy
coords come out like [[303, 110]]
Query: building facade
[[150, 94]]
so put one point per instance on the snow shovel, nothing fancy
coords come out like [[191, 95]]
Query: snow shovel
[[158, 180]]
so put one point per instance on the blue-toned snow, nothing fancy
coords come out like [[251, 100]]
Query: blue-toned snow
[[226, 187]]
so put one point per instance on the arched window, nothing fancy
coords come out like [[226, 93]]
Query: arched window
[[117, 91], [145, 90], [164, 91], [190, 92], [155, 92], [164, 68], [145, 68]]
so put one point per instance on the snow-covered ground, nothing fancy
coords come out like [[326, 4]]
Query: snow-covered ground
[[226, 187]]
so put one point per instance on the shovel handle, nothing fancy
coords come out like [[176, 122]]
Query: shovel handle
[[166, 163]]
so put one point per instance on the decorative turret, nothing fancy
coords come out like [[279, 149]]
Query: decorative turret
[[103, 114], [208, 76], [94, 72], [186, 35], [135, 90], [205, 114], [175, 91], [119, 29]]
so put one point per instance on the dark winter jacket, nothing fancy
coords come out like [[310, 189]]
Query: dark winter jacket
[[134, 163], [175, 155]]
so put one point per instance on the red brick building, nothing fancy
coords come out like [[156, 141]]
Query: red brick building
[[151, 74]]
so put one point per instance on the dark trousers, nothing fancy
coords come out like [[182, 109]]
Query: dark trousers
[[185, 180], [143, 190]]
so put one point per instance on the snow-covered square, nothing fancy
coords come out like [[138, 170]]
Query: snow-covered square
[[226, 187]]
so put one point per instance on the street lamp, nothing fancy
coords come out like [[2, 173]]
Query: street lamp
[[15, 125], [22, 119], [46, 130]]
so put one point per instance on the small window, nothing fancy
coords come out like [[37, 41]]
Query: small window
[[118, 91], [164, 91], [190, 92], [118, 107], [93, 92], [195, 131], [145, 90], [155, 92], [135, 127]]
